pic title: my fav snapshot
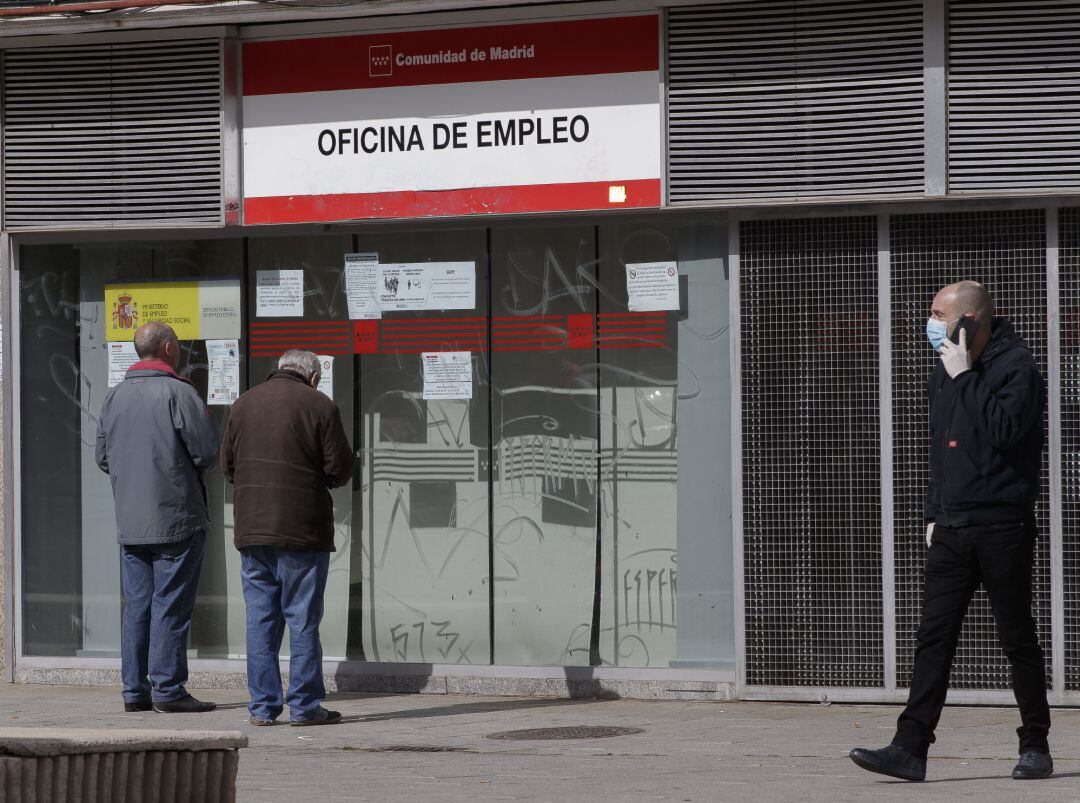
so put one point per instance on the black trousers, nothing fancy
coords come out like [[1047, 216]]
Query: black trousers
[[960, 558]]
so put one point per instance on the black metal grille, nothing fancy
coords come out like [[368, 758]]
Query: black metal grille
[[1069, 288], [1005, 250], [811, 453]]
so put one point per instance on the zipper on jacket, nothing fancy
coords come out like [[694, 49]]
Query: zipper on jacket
[[945, 444]]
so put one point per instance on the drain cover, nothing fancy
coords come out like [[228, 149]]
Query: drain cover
[[575, 732], [414, 748]]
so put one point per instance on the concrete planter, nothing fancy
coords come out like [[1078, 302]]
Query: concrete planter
[[42, 765]]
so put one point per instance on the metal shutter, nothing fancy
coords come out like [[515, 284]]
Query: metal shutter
[[811, 453], [1014, 94], [1007, 252], [1069, 291], [801, 99], [108, 134]]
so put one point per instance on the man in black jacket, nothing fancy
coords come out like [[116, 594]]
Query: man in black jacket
[[987, 399]]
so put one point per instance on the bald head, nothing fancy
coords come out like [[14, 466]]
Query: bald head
[[965, 298], [156, 340]]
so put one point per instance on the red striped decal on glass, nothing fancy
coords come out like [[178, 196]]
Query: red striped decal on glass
[[635, 330]]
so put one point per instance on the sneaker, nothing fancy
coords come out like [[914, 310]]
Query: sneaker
[[183, 705], [1033, 766], [893, 761], [321, 717], [261, 723], [141, 705]]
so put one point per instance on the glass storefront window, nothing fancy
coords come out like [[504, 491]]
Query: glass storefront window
[[571, 507], [70, 560]]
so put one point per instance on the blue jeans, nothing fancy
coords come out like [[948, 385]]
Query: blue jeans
[[284, 586], [159, 582]]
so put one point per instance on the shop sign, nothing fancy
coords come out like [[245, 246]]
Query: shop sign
[[197, 310], [534, 117]]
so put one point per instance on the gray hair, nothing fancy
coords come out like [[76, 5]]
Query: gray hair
[[302, 362], [151, 339]]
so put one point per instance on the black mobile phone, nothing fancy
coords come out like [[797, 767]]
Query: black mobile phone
[[969, 325]]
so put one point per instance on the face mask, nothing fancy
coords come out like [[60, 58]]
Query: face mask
[[937, 331]]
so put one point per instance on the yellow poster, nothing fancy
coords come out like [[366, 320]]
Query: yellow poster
[[197, 310], [129, 306]]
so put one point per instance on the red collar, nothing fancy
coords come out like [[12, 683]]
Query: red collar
[[154, 364]]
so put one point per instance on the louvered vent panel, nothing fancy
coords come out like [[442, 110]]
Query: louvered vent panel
[[1014, 94], [111, 134], [798, 99], [811, 453]]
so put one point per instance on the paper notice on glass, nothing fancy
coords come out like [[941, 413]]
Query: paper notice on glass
[[652, 286], [447, 374], [403, 287], [223, 384], [361, 286], [326, 380], [279, 294], [452, 285], [427, 286], [121, 357]]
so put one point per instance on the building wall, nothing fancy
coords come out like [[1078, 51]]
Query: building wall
[[806, 130]]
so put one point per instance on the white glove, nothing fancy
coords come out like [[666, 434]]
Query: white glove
[[929, 533], [955, 356]]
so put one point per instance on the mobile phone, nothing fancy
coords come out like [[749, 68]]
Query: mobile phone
[[969, 325]]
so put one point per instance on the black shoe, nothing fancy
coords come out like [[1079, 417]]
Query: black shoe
[[1033, 765], [893, 761], [321, 717], [184, 705], [142, 705]]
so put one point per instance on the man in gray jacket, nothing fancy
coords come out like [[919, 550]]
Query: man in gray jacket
[[155, 440]]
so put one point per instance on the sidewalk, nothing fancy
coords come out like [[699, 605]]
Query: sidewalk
[[687, 752]]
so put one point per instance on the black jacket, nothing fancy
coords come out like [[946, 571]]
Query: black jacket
[[285, 448], [987, 435]]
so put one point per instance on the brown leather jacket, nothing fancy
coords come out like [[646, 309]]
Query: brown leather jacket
[[284, 449]]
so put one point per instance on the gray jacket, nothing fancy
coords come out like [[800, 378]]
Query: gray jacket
[[155, 439]]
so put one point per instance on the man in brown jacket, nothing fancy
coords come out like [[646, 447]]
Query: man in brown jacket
[[284, 449]]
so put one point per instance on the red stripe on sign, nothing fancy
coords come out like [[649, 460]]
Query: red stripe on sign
[[580, 331], [530, 50], [271, 338], [366, 337], [546, 333], [314, 326], [430, 203]]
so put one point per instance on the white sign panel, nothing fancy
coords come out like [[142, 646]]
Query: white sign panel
[[219, 308], [652, 286], [121, 357], [447, 374], [527, 117], [279, 294], [223, 385], [362, 286], [326, 379], [427, 286]]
